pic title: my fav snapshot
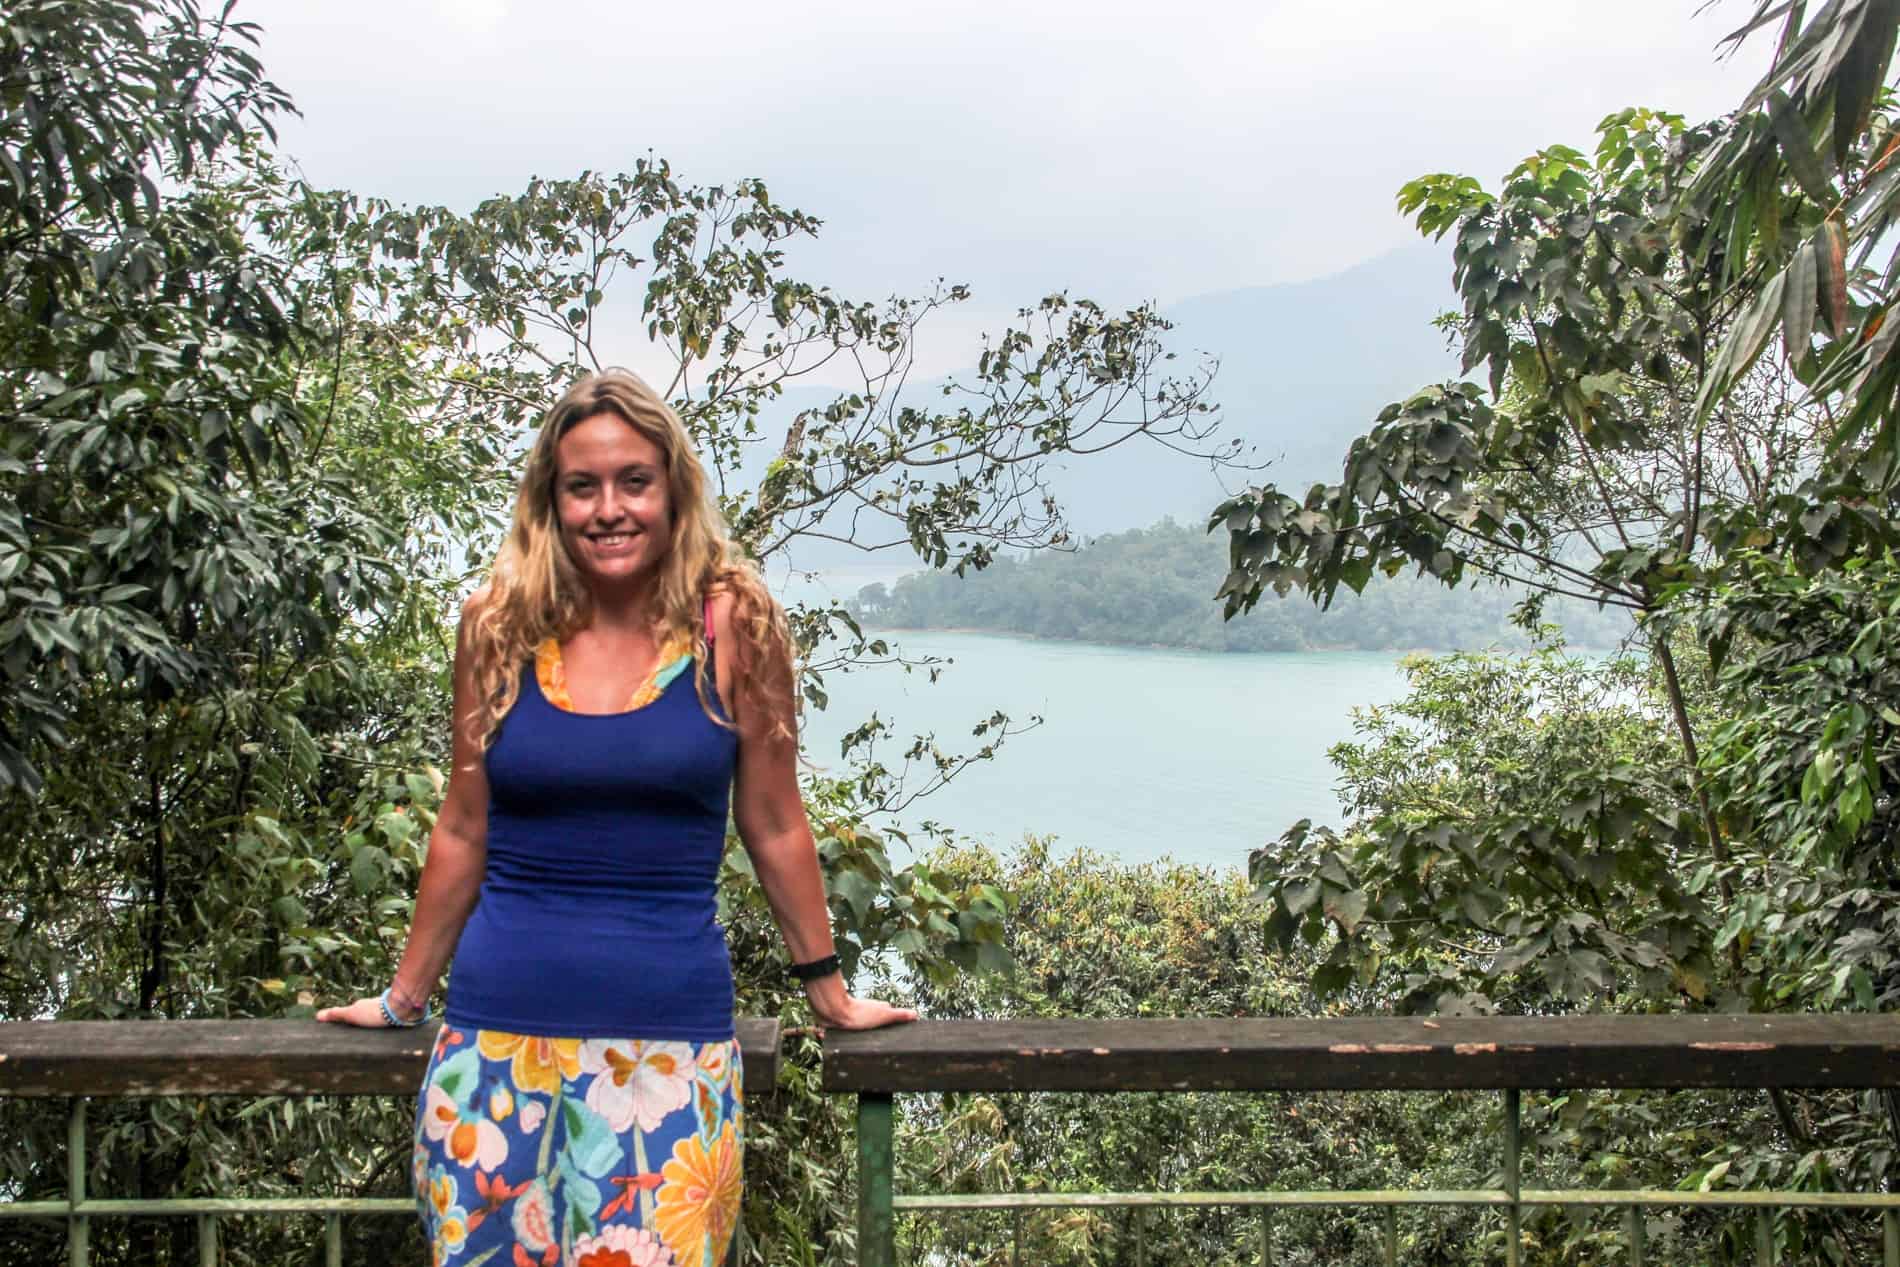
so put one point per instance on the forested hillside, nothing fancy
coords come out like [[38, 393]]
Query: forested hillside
[[1155, 586]]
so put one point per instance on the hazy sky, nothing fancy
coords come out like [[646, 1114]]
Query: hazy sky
[[1126, 152]]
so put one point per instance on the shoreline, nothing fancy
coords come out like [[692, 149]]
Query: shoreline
[[1398, 652]]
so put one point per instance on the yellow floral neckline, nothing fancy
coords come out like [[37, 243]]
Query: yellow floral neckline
[[675, 654]]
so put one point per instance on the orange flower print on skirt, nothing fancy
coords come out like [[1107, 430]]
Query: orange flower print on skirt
[[540, 1152]]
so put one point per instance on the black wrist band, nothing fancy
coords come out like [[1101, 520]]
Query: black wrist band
[[816, 968]]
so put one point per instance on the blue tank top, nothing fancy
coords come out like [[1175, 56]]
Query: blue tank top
[[597, 909]]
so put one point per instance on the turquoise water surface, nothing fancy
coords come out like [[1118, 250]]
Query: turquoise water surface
[[1141, 753]]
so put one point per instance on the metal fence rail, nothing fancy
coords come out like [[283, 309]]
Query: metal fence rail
[[82, 1060], [1506, 1054]]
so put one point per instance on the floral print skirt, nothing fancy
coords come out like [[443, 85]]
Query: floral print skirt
[[538, 1152]]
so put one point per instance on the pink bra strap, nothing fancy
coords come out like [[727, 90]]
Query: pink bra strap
[[706, 618]]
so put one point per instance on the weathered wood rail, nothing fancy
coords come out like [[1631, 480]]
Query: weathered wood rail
[[80, 1060], [1507, 1054], [147, 1058], [1370, 1054]]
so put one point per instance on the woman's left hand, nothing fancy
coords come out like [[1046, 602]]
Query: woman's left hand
[[855, 1013]]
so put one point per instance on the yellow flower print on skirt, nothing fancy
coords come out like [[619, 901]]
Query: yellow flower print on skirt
[[540, 1152], [539, 1063]]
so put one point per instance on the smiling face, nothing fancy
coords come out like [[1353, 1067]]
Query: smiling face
[[610, 498]]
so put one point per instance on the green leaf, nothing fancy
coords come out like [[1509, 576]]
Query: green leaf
[[1882, 329], [1798, 301], [1299, 895], [1744, 344], [1346, 908], [857, 892], [1861, 72], [368, 866], [1791, 133]]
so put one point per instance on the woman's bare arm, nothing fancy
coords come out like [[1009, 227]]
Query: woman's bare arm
[[452, 870], [769, 812]]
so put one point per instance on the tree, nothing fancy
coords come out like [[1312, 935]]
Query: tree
[[1631, 445]]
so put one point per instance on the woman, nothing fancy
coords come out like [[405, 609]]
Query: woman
[[619, 678]]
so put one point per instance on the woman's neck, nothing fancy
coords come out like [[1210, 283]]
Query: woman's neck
[[632, 609]]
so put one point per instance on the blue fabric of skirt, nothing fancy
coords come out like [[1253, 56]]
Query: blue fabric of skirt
[[579, 1152]]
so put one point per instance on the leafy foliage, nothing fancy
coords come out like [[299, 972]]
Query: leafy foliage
[[1093, 938], [1531, 804], [1805, 766], [1524, 835]]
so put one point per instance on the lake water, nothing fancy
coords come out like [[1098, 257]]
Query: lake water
[[1142, 753]]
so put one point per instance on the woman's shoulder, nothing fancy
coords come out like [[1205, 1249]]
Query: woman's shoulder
[[735, 598], [721, 602], [477, 603], [746, 622], [467, 626]]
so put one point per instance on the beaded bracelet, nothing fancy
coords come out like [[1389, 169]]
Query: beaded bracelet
[[396, 1022]]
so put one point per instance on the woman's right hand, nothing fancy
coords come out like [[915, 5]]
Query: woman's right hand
[[366, 1013]]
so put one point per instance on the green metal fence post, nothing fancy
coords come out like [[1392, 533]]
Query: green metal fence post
[[1890, 1237], [1016, 1240], [1636, 1232], [1764, 1238], [78, 1230], [333, 1240], [1391, 1236], [877, 1230], [1141, 1237], [1513, 1216], [207, 1240], [1266, 1236]]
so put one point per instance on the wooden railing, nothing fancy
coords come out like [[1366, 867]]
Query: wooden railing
[[1509, 1055], [81, 1060]]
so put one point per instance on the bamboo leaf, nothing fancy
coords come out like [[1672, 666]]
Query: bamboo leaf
[[1883, 328], [1765, 12], [1744, 344], [1863, 68], [1818, 76], [1796, 60], [1830, 253], [1791, 132], [1768, 211], [1797, 302]]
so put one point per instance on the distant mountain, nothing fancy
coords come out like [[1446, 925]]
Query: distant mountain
[[1304, 367]]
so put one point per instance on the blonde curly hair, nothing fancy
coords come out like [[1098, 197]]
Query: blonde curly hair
[[535, 592]]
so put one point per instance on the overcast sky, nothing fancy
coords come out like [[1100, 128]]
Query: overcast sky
[[1127, 152]]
